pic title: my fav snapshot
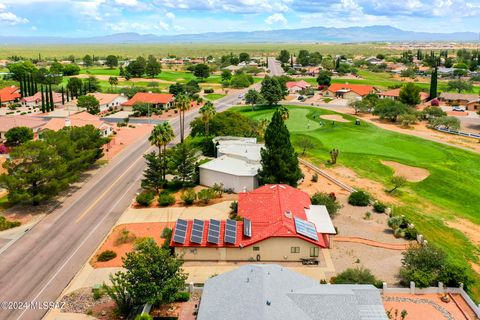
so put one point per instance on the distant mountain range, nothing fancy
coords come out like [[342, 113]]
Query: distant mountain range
[[314, 34]]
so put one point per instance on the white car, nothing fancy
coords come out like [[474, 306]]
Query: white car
[[458, 108]]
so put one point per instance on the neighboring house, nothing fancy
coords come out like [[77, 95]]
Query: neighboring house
[[279, 224], [270, 292], [445, 71], [394, 94], [79, 120], [473, 105], [349, 91], [9, 95], [374, 60], [236, 165], [106, 100], [9, 122], [36, 99], [158, 100], [297, 86], [459, 99]]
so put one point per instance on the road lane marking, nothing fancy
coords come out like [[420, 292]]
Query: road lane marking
[[76, 250], [108, 190]]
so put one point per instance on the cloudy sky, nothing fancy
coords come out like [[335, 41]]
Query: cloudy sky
[[72, 18]]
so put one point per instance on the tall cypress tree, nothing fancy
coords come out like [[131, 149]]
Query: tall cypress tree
[[63, 96], [52, 105], [279, 159], [43, 99], [32, 85], [434, 84], [25, 86], [22, 94]]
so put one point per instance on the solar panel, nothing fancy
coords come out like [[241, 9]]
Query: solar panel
[[231, 231], [247, 228], [197, 231], [214, 231], [306, 228], [180, 231]]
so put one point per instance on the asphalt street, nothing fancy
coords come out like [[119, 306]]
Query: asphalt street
[[39, 265]]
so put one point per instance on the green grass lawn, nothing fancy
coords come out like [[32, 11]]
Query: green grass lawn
[[214, 96], [452, 189], [4, 204], [101, 71]]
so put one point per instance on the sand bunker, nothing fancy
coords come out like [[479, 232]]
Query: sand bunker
[[468, 228], [334, 117], [412, 174]]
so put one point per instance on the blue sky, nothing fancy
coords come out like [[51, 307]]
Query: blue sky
[[74, 18]]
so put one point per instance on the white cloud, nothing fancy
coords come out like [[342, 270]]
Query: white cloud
[[233, 6], [170, 15], [128, 3], [7, 17], [276, 19]]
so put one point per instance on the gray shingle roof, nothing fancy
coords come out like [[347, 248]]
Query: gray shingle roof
[[267, 292]]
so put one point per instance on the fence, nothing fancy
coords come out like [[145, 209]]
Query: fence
[[460, 133], [326, 175]]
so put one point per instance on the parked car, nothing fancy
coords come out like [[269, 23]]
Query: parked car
[[301, 98], [458, 108]]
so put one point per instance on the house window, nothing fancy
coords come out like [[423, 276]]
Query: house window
[[256, 248], [294, 249], [314, 251]]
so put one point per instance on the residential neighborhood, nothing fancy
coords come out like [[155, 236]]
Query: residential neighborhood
[[294, 161]]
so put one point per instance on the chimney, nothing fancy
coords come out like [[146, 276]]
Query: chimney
[[68, 122]]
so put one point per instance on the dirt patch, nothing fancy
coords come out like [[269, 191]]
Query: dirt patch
[[468, 228], [136, 230], [334, 117], [322, 184], [412, 174], [349, 177]]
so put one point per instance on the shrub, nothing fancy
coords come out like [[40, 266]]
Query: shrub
[[379, 207], [234, 207], [97, 293], [145, 198], [328, 201], [3, 149], [367, 216], [359, 199], [399, 233], [182, 297], [188, 196], [398, 222], [106, 255], [206, 195], [7, 224], [314, 177], [143, 316], [125, 236], [411, 233], [218, 188], [208, 90], [355, 276], [167, 235], [166, 199]]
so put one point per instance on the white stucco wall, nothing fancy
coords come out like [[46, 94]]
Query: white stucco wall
[[237, 183]]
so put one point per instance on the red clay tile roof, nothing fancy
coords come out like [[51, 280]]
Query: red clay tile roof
[[9, 122], [266, 207], [37, 97], [9, 94], [153, 98], [359, 89], [301, 84]]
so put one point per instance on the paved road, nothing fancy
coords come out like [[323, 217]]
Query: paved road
[[38, 266], [275, 67]]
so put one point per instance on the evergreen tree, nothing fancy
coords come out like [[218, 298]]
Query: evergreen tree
[[271, 90], [279, 159], [32, 86], [25, 86], [434, 84], [52, 105], [63, 96], [153, 174], [43, 99], [22, 94]]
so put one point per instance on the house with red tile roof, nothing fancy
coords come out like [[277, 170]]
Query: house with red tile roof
[[157, 100], [394, 94], [79, 120], [9, 122], [9, 95], [297, 86], [278, 223], [349, 91], [36, 99]]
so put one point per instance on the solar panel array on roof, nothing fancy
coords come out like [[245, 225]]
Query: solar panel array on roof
[[180, 231], [247, 227], [197, 231], [306, 228], [231, 231], [214, 231]]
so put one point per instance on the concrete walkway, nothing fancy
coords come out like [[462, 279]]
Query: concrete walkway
[[372, 243]]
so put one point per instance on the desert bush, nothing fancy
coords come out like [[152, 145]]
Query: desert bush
[[206, 195], [356, 276], [379, 207], [145, 199], [182, 297], [328, 201], [106, 255], [314, 177], [411, 233], [125, 236], [189, 196], [166, 199], [7, 224], [359, 199]]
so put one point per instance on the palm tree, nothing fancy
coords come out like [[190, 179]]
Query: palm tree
[[207, 112], [162, 134], [284, 112], [113, 81], [182, 103]]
